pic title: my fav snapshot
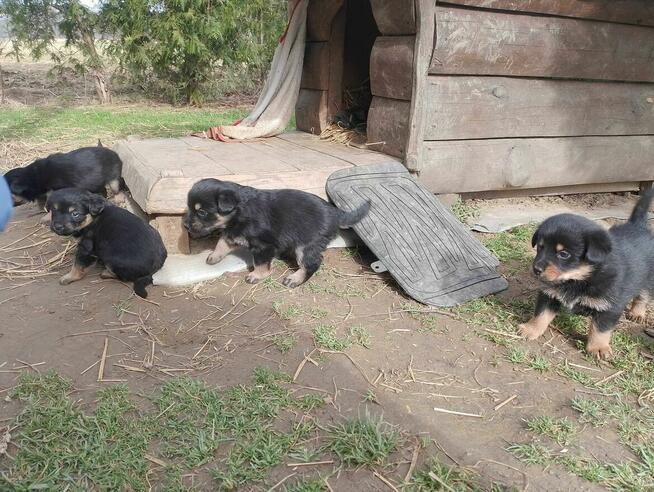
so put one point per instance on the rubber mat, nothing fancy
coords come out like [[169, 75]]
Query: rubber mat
[[430, 254]]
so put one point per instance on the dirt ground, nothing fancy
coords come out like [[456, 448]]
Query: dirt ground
[[220, 331]]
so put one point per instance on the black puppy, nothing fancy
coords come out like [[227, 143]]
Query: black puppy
[[95, 169], [286, 224], [593, 272], [129, 249]]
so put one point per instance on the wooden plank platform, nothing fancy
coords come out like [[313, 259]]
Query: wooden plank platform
[[159, 172]]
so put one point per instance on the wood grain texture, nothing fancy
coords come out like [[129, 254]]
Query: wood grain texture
[[639, 12], [388, 125], [173, 234], [394, 17], [391, 67], [311, 112], [465, 107], [315, 69], [418, 113], [480, 165], [485, 42], [336, 47], [320, 15]]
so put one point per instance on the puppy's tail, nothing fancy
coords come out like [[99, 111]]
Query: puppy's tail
[[641, 210], [348, 219], [140, 284]]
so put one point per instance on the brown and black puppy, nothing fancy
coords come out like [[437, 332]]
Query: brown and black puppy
[[287, 224], [95, 169], [129, 249], [593, 272]]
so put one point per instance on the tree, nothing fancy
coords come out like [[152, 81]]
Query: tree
[[184, 42], [34, 24]]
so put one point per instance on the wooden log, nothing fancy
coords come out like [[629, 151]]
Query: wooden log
[[336, 52], [388, 125], [320, 15], [421, 54], [315, 69], [391, 67], [496, 107], [394, 17], [638, 12], [485, 42], [173, 234], [459, 166], [311, 112]]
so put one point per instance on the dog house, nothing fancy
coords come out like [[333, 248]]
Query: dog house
[[473, 96]]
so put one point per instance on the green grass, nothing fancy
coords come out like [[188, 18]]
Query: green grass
[[325, 337], [314, 485], [513, 245], [286, 312], [362, 441], [76, 126], [434, 476], [464, 211], [560, 430], [285, 343], [360, 336]]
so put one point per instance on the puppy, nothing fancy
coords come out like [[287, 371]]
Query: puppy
[[129, 249], [95, 169], [593, 272], [286, 224]]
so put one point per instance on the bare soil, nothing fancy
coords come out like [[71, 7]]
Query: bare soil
[[219, 332]]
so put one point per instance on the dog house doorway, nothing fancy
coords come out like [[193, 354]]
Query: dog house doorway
[[335, 94]]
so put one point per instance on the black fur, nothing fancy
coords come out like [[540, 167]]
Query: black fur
[[89, 168], [128, 247], [619, 264], [286, 224]]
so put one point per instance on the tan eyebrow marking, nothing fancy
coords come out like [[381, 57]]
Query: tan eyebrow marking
[[559, 247], [197, 206]]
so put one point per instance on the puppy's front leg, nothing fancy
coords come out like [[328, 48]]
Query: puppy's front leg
[[221, 250], [546, 310], [262, 260], [83, 262], [599, 334]]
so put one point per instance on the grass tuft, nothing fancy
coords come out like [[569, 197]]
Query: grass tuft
[[362, 441]]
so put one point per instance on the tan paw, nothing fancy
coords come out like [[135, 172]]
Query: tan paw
[[599, 350], [106, 274], [252, 278], [530, 330], [67, 279], [213, 258]]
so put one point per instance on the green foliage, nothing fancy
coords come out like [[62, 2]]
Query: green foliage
[[183, 44], [35, 24], [362, 441]]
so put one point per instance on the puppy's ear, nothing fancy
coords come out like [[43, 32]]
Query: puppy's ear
[[598, 246], [96, 204], [534, 238], [227, 201]]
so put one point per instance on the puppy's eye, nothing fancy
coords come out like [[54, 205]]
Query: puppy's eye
[[75, 214], [563, 255], [202, 213]]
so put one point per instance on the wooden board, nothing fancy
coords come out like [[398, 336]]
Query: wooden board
[[293, 160], [388, 125], [315, 69], [418, 114], [391, 67], [465, 107], [311, 112], [336, 47], [553, 191], [485, 42], [320, 15], [477, 165], [394, 17], [173, 234], [625, 11]]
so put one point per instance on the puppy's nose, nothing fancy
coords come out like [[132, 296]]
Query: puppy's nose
[[58, 228], [538, 268]]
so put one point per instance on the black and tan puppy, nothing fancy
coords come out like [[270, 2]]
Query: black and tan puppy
[[129, 249], [594, 272], [95, 169], [287, 224]]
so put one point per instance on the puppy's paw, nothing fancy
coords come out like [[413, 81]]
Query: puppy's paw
[[106, 274], [530, 330], [598, 350], [214, 258], [290, 282], [252, 278], [67, 279], [638, 315]]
